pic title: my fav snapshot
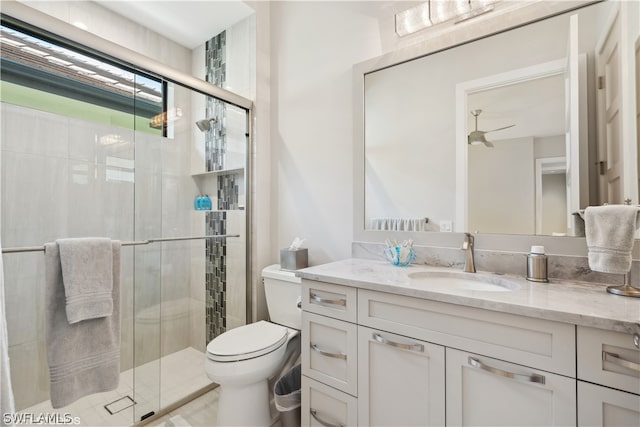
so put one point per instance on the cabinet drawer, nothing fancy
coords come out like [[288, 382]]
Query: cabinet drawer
[[539, 343], [482, 391], [325, 406], [329, 351], [329, 300], [608, 358]]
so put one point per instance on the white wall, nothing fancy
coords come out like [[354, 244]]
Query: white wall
[[313, 47], [501, 187], [113, 27]]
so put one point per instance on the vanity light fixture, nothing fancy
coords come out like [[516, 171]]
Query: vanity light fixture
[[435, 12]]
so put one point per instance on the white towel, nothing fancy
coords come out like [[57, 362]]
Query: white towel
[[6, 392], [398, 224], [83, 357], [610, 232], [87, 277]]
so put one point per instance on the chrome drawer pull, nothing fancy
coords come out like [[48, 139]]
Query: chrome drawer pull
[[314, 414], [636, 339], [315, 298], [617, 360], [533, 378], [328, 354], [410, 347]]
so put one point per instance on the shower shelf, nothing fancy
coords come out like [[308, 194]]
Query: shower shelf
[[218, 172], [241, 208]]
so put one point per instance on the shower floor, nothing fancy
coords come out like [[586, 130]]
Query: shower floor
[[182, 374]]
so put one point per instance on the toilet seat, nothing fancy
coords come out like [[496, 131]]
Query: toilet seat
[[247, 342]]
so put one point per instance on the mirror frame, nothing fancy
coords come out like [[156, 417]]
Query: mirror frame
[[475, 29]]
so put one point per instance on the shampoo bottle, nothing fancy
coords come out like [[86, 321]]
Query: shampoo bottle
[[206, 203]]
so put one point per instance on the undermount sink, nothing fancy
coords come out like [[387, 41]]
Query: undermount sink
[[463, 281]]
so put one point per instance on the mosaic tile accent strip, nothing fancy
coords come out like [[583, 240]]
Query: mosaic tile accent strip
[[227, 192], [216, 275], [215, 150], [216, 138]]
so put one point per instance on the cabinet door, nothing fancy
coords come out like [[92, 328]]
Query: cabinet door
[[602, 406], [325, 406], [400, 380], [482, 391]]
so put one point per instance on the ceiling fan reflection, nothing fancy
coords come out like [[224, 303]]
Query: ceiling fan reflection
[[477, 137]]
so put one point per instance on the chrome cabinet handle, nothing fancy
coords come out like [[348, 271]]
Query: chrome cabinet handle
[[315, 415], [328, 354], [636, 339], [617, 360], [533, 378], [315, 298], [410, 347]]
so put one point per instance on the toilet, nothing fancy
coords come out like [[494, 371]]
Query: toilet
[[243, 359]]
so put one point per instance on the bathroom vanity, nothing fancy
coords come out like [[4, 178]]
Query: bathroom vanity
[[424, 346]]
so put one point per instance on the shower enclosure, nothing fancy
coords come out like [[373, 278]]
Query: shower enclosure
[[92, 146]]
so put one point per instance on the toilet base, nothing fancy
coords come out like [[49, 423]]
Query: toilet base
[[247, 405]]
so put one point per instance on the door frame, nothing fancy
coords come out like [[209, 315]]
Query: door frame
[[463, 90]]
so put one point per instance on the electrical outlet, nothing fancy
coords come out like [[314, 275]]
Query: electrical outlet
[[446, 225]]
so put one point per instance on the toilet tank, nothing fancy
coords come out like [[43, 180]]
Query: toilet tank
[[283, 292]]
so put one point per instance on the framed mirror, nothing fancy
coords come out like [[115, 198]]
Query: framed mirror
[[513, 133]]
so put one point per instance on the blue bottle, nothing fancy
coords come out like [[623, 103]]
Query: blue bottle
[[198, 203], [206, 202]]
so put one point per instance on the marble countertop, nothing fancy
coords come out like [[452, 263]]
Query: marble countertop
[[566, 301]]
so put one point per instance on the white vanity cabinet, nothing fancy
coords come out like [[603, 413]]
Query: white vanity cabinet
[[609, 378], [424, 362]]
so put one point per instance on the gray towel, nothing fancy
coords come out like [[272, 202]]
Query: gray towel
[[610, 234], [83, 357], [87, 277]]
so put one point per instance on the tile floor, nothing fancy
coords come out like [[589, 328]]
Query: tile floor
[[158, 384], [200, 412]]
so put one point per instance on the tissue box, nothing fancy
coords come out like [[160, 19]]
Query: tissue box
[[294, 260]]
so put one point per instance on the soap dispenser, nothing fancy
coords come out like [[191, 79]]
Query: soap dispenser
[[537, 265]]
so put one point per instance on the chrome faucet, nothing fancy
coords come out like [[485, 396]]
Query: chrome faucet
[[467, 247]]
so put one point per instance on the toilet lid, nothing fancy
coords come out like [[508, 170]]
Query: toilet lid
[[247, 342]]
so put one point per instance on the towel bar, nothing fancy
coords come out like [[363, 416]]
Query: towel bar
[[134, 243]]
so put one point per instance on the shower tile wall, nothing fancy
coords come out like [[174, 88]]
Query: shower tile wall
[[52, 164], [77, 185], [215, 139], [217, 288], [219, 157], [216, 275]]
